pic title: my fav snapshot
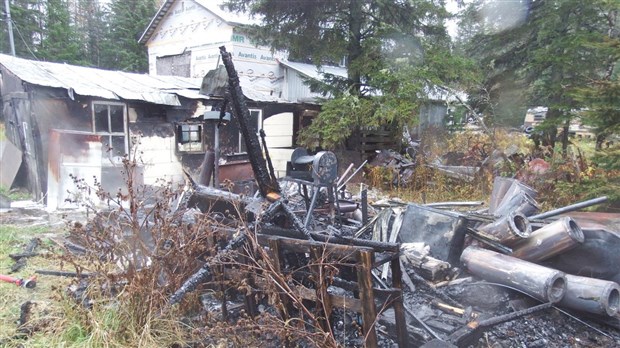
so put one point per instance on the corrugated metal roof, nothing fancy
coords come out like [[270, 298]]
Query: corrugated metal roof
[[313, 71], [104, 84]]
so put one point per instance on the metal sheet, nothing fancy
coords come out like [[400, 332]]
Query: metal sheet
[[113, 85], [11, 159], [311, 70], [443, 231]]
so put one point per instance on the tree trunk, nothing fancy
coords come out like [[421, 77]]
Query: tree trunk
[[355, 45], [551, 131], [565, 138]]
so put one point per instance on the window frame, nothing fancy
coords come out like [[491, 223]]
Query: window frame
[[179, 136], [109, 133]]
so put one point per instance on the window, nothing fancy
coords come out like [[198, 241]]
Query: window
[[110, 122], [189, 137], [256, 121]]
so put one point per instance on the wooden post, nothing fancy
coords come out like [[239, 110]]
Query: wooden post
[[274, 247], [369, 310], [399, 310], [323, 303], [221, 279], [248, 299]]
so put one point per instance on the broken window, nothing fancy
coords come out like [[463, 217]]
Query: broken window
[[110, 122], [256, 121], [189, 137]]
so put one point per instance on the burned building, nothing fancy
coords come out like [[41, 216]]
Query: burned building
[[68, 121]]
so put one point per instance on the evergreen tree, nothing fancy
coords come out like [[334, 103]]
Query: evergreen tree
[[395, 53], [557, 49], [27, 19], [60, 41], [91, 19], [127, 22]]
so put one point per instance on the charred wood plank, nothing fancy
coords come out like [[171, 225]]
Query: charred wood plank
[[204, 272], [369, 309], [29, 249], [266, 184], [402, 337]]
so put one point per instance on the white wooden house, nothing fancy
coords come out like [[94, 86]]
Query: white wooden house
[[183, 39]]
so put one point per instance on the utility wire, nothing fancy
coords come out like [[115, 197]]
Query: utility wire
[[23, 40]]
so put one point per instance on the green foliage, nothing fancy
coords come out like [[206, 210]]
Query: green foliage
[[121, 49], [92, 20], [396, 52], [60, 40], [558, 48], [335, 123], [27, 17], [14, 195], [81, 32]]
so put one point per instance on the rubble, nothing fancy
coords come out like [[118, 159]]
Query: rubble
[[377, 274]]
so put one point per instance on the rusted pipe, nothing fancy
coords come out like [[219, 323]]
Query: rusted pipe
[[569, 208], [509, 229], [591, 295], [545, 284], [552, 239]]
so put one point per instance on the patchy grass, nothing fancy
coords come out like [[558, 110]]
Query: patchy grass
[[13, 239], [57, 320], [15, 195]]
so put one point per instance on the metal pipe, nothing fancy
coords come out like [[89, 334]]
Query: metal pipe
[[454, 204], [552, 239], [216, 156], [520, 202], [352, 175], [500, 187], [508, 202], [206, 170], [509, 229], [569, 208], [591, 295], [345, 174], [545, 284]]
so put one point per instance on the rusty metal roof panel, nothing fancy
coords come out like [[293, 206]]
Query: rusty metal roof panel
[[106, 84]]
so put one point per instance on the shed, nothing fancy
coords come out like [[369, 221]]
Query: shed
[[73, 123]]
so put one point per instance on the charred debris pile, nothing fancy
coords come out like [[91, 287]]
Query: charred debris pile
[[329, 271]]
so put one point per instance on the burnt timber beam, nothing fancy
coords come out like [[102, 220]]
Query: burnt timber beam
[[266, 184]]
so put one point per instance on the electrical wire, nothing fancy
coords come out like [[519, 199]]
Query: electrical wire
[[23, 40]]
